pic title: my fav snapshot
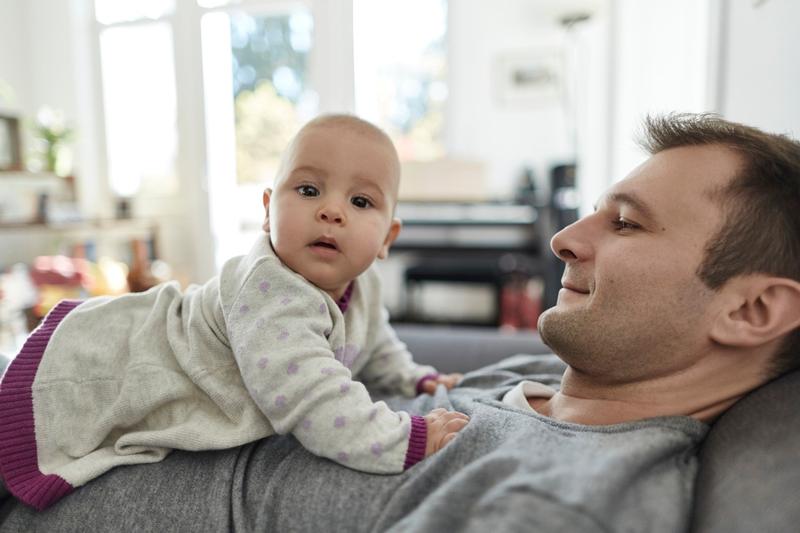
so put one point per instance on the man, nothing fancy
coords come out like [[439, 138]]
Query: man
[[681, 293], [682, 290]]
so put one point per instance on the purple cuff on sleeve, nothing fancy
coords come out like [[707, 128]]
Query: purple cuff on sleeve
[[417, 441], [19, 460], [423, 379]]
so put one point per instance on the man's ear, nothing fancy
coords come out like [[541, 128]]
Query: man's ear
[[391, 235], [760, 309], [265, 200]]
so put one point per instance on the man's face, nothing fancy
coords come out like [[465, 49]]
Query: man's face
[[330, 215], [632, 305]]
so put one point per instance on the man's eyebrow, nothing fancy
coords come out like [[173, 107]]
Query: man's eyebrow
[[633, 201]]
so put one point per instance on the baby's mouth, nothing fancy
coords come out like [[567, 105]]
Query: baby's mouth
[[325, 243]]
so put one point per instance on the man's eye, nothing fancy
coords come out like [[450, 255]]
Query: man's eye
[[620, 224], [308, 190], [361, 202]]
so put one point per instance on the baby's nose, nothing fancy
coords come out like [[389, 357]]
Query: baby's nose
[[331, 214]]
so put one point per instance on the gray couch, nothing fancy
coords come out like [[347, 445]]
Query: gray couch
[[749, 479]]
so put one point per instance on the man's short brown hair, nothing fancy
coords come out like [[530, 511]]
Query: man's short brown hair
[[761, 228]]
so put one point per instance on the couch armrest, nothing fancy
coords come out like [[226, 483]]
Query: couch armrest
[[461, 349]]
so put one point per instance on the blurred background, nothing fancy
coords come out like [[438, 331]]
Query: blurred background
[[136, 136]]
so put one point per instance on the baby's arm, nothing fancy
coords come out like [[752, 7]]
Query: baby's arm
[[278, 328], [390, 365]]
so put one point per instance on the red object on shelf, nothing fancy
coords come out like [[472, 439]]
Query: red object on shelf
[[519, 309], [60, 270]]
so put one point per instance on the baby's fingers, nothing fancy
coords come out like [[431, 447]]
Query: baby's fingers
[[429, 386], [455, 424], [447, 439], [450, 380]]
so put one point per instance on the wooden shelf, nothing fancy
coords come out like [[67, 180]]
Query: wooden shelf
[[109, 237], [79, 226]]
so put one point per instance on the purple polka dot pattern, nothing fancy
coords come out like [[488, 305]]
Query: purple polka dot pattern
[[347, 354], [344, 387], [264, 287], [328, 371], [244, 309], [342, 457], [339, 422], [283, 335], [286, 301], [373, 414], [306, 424], [262, 363], [322, 308], [292, 368], [376, 449], [280, 401]]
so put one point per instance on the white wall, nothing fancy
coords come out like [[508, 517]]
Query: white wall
[[662, 61], [761, 69], [505, 135], [13, 62]]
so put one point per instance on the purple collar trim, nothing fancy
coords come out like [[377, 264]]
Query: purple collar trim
[[344, 301]]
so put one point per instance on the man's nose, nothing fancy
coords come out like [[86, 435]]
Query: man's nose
[[572, 243], [331, 213]]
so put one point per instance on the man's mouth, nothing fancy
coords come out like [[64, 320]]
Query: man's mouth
[[573, 287]]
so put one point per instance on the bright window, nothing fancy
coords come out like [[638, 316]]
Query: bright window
[[257, 95], [400, 58], [139, 99], [269, 56], [114, 11]]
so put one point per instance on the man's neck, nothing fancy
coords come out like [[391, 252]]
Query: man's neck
[[703, 392]]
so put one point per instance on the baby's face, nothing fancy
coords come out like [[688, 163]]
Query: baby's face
[[330, 215]]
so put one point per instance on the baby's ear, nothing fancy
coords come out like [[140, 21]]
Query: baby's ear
[[265, 200], [391, 235]]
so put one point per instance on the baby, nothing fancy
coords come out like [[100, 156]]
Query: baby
[[272, 345]]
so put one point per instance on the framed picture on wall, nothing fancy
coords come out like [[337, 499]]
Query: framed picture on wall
[[529, 78], [10, 146]]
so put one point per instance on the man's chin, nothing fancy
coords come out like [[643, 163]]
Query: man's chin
[[543, 325], [559, 328]]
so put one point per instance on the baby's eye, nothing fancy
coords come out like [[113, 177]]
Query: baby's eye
[[620, 224], [307, 190], [361, 202]]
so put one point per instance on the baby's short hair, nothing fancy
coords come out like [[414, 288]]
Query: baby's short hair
[[349, 122], [339, 120]]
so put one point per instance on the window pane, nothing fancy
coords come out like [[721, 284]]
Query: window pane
[[257, 94], [400, 75], [140, 110], [111, 11], [269, 56]]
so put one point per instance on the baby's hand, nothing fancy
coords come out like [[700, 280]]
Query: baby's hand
[[448, 380], [442, 428]]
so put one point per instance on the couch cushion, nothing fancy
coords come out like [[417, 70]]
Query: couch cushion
[[749, 477], [463, 348]]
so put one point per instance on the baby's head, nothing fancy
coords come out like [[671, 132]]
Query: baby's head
[[330, 212]]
